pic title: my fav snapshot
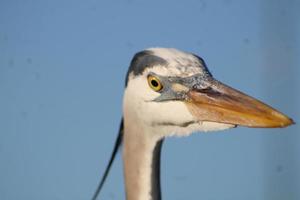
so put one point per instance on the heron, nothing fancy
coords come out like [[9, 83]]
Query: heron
[[169, 92]]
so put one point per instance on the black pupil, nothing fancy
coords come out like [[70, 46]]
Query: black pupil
[[154, 83]]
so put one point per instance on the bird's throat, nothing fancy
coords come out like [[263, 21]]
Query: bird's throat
[[141, 157]]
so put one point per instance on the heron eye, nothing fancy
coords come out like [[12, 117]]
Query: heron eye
[[154, 83]]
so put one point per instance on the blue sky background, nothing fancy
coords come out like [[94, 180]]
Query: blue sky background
[[62, 72]]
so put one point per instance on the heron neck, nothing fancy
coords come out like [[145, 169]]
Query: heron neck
[[141, 157]]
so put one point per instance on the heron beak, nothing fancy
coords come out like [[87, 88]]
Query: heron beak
[[223, 104]]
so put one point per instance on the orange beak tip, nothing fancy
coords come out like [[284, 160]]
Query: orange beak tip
[[292, 122], [226, 105]]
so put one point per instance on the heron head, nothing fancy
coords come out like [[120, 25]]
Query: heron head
[[172, 92]]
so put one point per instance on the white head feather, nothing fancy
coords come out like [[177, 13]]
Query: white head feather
[[170, 117]]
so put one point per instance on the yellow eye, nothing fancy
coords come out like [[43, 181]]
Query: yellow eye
[[154, 83]]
